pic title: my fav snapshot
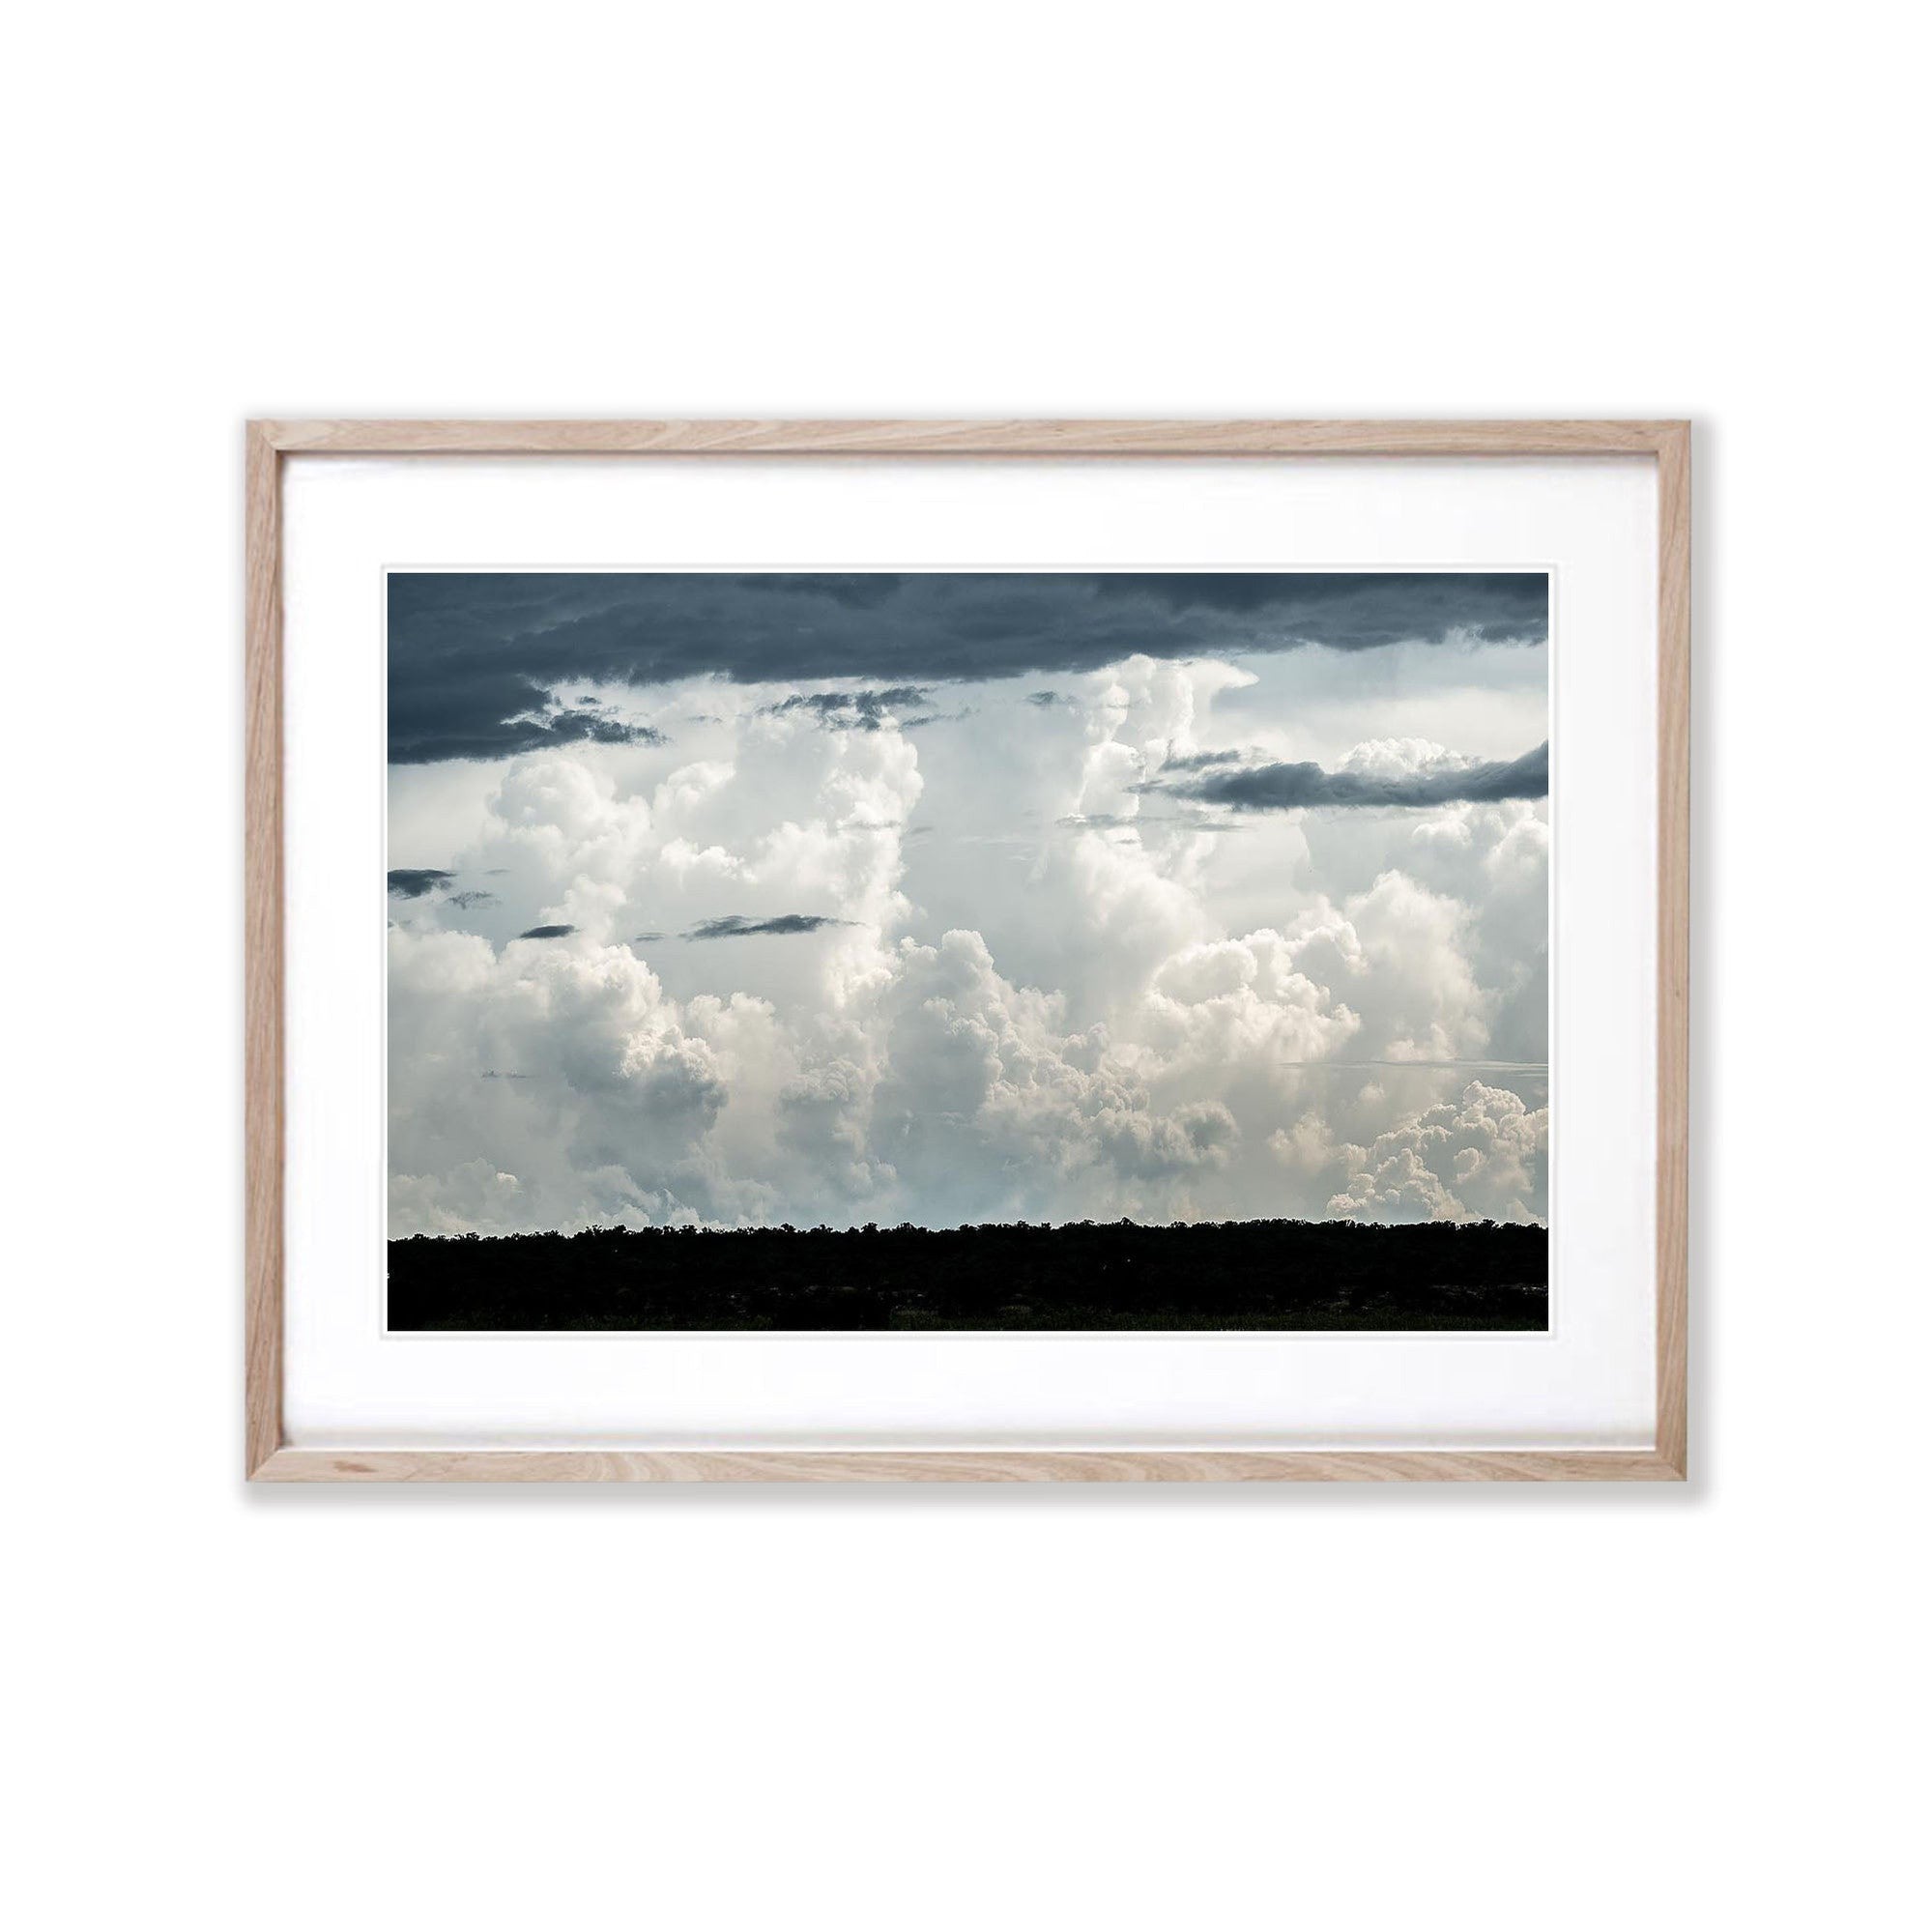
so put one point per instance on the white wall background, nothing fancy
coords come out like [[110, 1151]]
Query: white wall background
[[906, 1710]]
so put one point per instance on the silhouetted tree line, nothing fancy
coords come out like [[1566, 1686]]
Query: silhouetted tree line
[[1248, 1273]]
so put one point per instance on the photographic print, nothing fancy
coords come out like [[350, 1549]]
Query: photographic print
[[969, 950]]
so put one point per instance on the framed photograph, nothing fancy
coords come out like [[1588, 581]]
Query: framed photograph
[[967, 951]]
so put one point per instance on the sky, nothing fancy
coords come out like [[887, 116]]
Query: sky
[[724, 900]]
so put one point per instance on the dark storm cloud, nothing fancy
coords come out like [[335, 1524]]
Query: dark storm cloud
[[852, 710], [413, 882], [488, 715], [1283, 787], [1358, 610], [468, 902], [547, 932], [735, 927], [472, 655]]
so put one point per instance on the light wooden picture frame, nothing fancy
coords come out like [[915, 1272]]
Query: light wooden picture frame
[[268, 1456]]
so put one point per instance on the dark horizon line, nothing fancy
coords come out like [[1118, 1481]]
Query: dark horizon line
[[976, 1227]]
